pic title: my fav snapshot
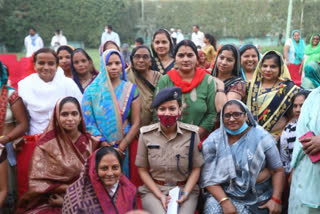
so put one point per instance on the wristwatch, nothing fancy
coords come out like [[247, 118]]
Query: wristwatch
[[185, 193]]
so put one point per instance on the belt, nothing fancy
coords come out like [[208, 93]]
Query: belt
[[163, 183]]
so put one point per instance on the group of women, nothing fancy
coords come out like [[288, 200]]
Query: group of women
[[213, 134]]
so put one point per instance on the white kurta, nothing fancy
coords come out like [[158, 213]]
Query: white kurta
[[30, 48], [40, 97]]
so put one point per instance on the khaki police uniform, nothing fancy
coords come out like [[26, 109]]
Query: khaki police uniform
[[167, 160]]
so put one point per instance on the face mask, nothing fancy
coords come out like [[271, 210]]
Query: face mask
[[105, 30], [238, 131], [168, 120]]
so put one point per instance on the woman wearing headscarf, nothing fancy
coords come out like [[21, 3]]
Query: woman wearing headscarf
[[96, 192], [202, 62], [311, 79], [111, 106], [83, 70], [312, 51], [270, 93], [305, 185], [40, 93], [146, 79], [227, 69], [237, 157], [64, 54], [109, 44], [293, 54], [249, 57], [199, 89], [57, 159], [13, 124], [162, 51]]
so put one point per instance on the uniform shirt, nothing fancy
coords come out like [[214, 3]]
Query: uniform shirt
[[160, 154]]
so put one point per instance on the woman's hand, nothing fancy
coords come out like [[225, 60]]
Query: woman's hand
[[272, 206], [182, 199], [311, 145], [165, 199], [55, 200], [228, 207]]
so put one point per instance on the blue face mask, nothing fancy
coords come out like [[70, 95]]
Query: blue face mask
[[238, 131]]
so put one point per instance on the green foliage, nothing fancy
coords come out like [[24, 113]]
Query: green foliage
[[84, 20]]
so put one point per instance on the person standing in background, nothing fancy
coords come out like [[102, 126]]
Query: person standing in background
[[58, 40], [197, 36], [139, 41], [180, 36], [173, 36], [32, 42], [108, 34]]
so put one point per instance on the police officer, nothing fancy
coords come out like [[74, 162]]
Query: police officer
[[168, 156]]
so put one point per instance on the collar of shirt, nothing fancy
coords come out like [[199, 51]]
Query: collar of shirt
[[113, 189], [178, 130]]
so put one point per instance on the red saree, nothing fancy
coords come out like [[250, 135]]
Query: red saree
[[56, 161], [87, 194]]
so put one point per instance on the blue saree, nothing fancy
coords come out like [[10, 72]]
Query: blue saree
[[106, 109]]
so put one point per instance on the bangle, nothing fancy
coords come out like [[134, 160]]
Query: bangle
[[276, 200], [185, 193], [223, 199], [220, 90]]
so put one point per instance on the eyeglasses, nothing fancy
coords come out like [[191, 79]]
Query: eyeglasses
[[235, 115], [139, 56]]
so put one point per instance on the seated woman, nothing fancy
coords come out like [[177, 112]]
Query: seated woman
[[83, 70], [311, 80], [249, 56], [168, 156], [13, 124], [270, 93], [227, 69], [64, 54], [57, 159], [237, 158], [111, 106], [305, 185], [101, 188], [162, 50], [199, 89], [40, 92]]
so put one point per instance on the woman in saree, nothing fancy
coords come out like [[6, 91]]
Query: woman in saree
[[111, 106], [162, 51], [249, 56], [64, 54], [57, 159], [199, 89], [40, 92], [293, 53], [241, 153], [311, 79], [83, 70], [227, 69], [312, 51], [270, 93], [112, 192], [140, 73], [305, 185], [13, 124]]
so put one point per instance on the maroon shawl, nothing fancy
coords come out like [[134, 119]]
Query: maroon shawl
[[87, 194]]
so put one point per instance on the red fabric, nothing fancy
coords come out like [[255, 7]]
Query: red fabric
[[134, 176], [23, 162], [184, 85], [294, 73]]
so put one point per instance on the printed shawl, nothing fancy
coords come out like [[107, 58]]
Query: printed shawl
[[56, 160], [88, 195], [269, 105], [247, 155]]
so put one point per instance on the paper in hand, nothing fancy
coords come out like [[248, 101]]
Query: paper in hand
[[173, 205]]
